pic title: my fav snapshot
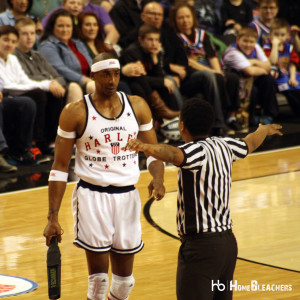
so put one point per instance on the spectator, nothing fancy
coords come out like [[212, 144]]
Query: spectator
[[68, 56], [148, 52], [16, 10], [37, 68], [176, 64], [16, 83], [41, 8], [126, 15], [234, 15], [202, 58], [111, 33], [247, 57], [90, 32], [268, 10], [75, 7], [284, 61]]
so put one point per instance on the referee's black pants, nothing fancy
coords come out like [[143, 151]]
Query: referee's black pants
[[206, 263]]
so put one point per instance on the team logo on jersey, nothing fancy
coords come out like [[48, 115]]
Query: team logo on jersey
[[12, 285], [115, 148]]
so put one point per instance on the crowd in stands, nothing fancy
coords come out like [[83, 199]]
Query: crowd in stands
[[237, 53]]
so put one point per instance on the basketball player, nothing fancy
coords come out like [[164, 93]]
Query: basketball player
[[106, 205], [208, 253]]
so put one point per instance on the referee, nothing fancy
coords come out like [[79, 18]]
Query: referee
[[207, 256]]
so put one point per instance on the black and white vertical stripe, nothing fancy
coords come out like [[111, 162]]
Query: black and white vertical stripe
[[203, 204]]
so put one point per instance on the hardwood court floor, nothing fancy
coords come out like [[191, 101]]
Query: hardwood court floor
[[265, 204]]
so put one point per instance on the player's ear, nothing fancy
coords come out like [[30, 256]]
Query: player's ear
[[92, 75], [181, 125]]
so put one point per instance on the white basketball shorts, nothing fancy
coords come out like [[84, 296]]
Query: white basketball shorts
[[107, 218]]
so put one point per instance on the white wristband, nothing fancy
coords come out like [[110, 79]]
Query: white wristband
[[56, 175]]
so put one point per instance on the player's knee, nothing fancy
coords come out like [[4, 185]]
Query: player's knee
[[121, 287], [98, 286]]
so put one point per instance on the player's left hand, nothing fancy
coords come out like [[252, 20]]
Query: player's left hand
[[156, 189]]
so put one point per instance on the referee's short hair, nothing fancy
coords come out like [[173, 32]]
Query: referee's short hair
[[198, 116]]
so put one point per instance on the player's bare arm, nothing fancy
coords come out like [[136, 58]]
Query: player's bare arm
[[156, 167], [72, 119], [255, 139]]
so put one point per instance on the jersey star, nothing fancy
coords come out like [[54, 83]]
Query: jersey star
[[106, 166]]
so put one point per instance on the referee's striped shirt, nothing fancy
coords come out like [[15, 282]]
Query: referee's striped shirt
[[204, 181]]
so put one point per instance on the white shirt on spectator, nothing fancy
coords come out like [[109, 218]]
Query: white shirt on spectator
[[236, 60], [16, 82]]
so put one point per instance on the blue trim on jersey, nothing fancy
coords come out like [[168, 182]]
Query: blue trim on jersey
[[85, 246], [129, 251]]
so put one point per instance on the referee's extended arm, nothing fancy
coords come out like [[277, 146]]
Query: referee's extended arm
[[162, 152], [256, 138]]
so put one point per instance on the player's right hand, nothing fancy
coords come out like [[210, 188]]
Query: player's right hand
[[53, 228]]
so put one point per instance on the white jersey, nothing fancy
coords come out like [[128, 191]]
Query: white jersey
[[99, 159]]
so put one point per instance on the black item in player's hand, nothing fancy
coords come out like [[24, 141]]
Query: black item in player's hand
[[54, 269]]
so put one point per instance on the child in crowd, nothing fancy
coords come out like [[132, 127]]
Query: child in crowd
[[152, 84], [284, 61], [248, 59]]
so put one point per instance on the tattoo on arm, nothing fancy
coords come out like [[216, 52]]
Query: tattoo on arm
[[58, 139]]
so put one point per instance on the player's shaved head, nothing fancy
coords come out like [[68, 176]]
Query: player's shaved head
[[103, 56]]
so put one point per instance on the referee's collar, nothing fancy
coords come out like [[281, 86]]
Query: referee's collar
[[200, 139]]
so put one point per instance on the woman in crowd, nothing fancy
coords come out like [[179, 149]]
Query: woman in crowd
[[68, 56], [202, 57], [91, 33]]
